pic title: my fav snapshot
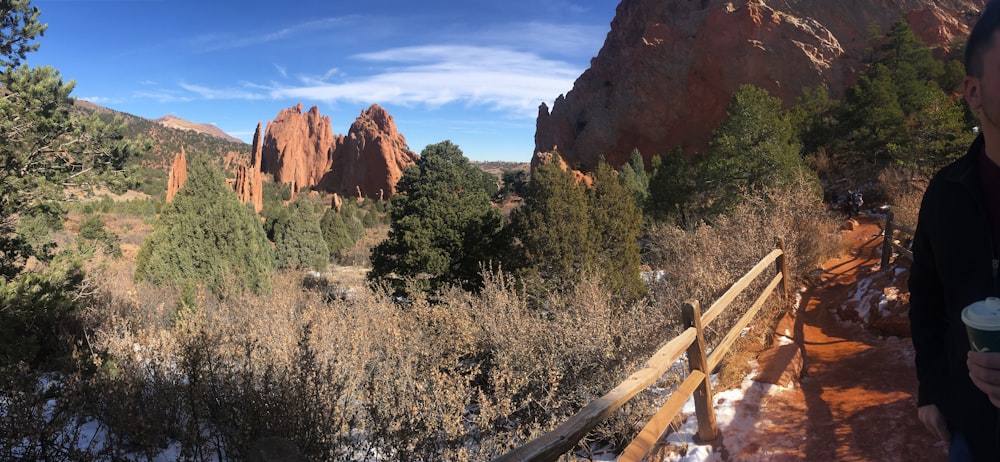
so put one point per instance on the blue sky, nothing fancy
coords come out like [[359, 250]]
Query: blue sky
[[470, 71]]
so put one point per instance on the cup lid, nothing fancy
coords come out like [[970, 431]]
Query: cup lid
[[983, 315]]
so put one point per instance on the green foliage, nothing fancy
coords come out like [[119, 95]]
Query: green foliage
[[633, 176], [898, 113], [555, 231], [617, 225], [334, 230], [671, 188], [444, 225], [756, 146], [299, 243], [19, 28], [38, 313], [206, 236], [513, 183], [92, 229]]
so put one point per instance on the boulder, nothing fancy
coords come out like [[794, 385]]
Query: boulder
[[667, 70]]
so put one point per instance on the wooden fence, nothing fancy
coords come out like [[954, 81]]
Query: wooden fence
[[889, 241], [550, 446]]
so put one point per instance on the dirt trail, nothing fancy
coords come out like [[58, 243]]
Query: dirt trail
[[857, 399]]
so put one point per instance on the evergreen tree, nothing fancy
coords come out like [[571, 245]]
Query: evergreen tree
[[207, 236], [633, 177], [554, 229], [671, 188], [18, 29], [755, 146], [617, 222], [444, 225], [338, 238], [299, 242], [43, 148]]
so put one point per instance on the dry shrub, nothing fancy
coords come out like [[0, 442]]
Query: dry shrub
[[456, 376], [703, 262], [904, 189]]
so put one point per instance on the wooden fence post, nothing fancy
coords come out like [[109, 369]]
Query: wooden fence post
[[887, 242], [782, 263], [697, 360]]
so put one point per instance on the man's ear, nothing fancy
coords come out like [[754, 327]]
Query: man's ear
[[971, 86]]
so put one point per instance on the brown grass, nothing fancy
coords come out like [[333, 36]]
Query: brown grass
[[453, 376]]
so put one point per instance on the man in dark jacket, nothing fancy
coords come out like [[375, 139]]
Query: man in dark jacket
[[956, 261]]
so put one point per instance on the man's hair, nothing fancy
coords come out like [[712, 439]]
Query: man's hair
[[981, 38]]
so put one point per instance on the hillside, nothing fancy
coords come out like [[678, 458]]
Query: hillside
[[166, 140], [208, 129]]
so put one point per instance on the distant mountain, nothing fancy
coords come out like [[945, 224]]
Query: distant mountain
[[168, 138], [208, 129]]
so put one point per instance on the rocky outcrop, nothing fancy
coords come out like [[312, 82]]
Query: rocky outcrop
[[667, 70], [301, 150], [249, 184], [298, 148], [546, 158], [370, 160], [177, 175]]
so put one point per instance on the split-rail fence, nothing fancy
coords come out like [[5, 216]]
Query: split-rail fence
[[552, 445]]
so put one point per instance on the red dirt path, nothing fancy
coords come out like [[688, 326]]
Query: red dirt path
[[857, 398]]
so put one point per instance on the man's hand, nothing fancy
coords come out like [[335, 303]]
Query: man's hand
[[984, 368], [933, 419]]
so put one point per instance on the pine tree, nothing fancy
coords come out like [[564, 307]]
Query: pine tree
[[43, 148], [633, 177], [617, 222], [444, 225], [207, 236], [338, 238], [555, 231], [299, 242], [756, 146]]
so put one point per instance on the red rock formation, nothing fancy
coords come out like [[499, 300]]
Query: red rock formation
[[177, 175], [370, 160], [249, 183], [667, 70], [298, 148], [301, 150], [545, 158]]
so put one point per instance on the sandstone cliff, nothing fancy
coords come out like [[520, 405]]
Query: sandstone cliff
[[370, 160], [177, 175], [297, 147], [249, 184], [668, 68], [301, 150]]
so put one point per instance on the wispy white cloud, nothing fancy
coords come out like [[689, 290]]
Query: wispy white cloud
[[98, 99], [546, 38], [500, 79], [221, 93], [282, 70], [217, 42], [162, 96]]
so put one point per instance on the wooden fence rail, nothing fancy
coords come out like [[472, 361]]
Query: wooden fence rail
[[550, 446], [889, 243]]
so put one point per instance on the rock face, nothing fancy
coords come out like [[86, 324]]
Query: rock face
[[370, 160], [667, 70], [298, 148], [301, 150], [249, 183], [177, 175]]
